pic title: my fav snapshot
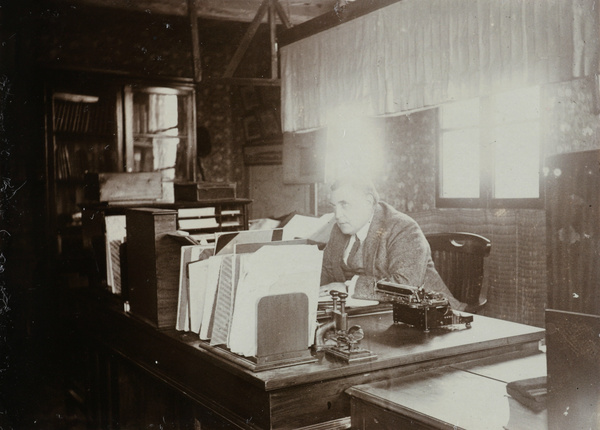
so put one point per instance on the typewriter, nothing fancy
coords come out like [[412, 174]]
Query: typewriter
[[419, 308]]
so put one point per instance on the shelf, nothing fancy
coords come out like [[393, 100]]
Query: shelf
[[77, 136], [70, 181], [158, 136]]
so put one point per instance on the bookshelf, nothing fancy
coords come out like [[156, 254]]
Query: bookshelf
[[83, 122], [99, 123]]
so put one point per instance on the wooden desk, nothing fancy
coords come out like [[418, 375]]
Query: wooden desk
[[303, 395], [469, 395]]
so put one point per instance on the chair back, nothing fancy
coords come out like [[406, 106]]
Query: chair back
[[458, 258]]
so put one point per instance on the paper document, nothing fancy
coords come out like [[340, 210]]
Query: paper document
[[210, 296], [225, 241], [307, 227], [273, 270], [188, 254], [115, 236]]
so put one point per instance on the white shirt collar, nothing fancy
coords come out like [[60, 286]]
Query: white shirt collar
[[364, 230]]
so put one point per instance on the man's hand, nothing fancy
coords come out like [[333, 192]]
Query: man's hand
[[334, 286]]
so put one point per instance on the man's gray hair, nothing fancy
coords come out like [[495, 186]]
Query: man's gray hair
[[358, 183]]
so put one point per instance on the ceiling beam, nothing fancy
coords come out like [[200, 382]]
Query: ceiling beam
[[273, 9], [297, 11], [245, 43]]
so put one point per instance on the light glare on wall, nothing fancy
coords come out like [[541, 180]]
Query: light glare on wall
[[354, 144]]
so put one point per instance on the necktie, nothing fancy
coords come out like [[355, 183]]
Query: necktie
[[355, 257]]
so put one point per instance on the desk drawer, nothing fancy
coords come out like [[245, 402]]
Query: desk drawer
[[367, 416]]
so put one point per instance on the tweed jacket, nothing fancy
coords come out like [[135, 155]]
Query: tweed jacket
[[395, 249]]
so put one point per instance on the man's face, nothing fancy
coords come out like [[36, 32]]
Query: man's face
[[352, 208]]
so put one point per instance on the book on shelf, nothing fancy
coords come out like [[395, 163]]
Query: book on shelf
[[63, 163]]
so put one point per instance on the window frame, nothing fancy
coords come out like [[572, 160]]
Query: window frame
[[486, 168]]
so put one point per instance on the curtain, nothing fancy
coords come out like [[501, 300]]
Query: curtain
[[419, 53]]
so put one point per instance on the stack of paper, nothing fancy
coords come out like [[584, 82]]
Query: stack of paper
[[219, 297], [196, 218], [269, 271]]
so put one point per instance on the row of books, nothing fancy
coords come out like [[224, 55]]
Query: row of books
[[221, 284], [73, 160], [81, 117]]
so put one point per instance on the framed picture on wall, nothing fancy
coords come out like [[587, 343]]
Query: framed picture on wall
[[263, 154], [269, 123], [252, 128], [249, 98]]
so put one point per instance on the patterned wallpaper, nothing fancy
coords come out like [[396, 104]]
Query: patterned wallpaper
[[408, 178], [573, 112]]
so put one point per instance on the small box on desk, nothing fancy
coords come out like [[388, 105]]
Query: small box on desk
[[153, 265], [200, 191], [124, 188]]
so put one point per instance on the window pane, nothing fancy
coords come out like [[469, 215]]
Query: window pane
[[461, 114], [460, 164], [517, 161]]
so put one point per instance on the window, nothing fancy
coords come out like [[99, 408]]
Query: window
[[489, 151]]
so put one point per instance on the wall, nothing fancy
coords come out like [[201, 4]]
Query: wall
[[515, 271]]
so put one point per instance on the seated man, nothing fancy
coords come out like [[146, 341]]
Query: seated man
[[372, 241]]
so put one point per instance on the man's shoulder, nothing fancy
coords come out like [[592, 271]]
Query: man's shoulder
[[389, 214]]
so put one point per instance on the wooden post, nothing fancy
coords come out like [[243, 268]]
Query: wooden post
[[196, 60]]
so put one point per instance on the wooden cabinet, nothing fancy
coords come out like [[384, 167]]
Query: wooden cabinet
[[83, 120], [573, 314], [573, 231], [160, 132]]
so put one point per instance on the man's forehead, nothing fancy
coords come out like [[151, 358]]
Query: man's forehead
[[346, 193]]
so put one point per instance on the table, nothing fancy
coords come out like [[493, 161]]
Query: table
[[305, 395], [469, 395]]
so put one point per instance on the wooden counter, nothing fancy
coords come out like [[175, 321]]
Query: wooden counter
[[302, 395]]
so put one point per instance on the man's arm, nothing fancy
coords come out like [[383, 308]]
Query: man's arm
[[404, 255], [327, 268], [332, 255]]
